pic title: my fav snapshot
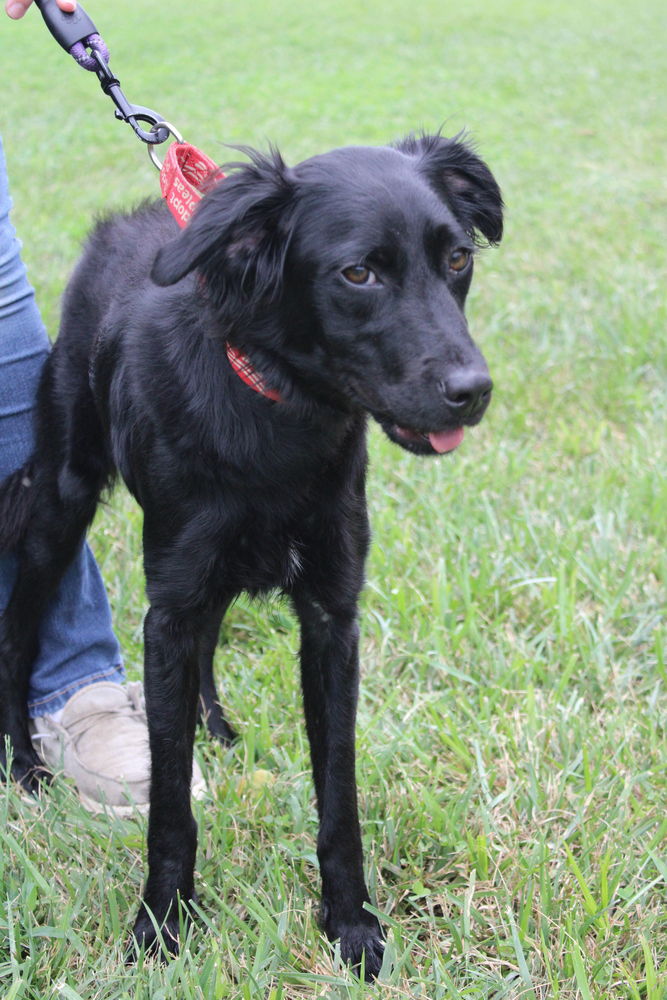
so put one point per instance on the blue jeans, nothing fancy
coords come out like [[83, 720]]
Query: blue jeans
[[77, 644]]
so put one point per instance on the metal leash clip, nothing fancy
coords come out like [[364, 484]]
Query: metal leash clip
[[125, 111], [77, 34]]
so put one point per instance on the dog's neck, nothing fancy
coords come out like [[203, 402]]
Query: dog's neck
[[242, 365]]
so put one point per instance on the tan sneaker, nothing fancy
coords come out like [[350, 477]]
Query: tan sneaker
[[101, 741]]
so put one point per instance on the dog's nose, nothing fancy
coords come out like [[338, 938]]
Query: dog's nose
[[468, 391]]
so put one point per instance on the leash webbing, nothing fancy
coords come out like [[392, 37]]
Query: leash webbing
[[183, 175]]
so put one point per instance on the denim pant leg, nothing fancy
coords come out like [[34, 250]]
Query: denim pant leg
[[77, 643]]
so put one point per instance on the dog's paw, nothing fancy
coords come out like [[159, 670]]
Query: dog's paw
[[27, 770], [220, 730], [361, 943], [152, 938]]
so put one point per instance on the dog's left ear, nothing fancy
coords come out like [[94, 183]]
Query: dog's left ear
[[238, 236], [462, 179]]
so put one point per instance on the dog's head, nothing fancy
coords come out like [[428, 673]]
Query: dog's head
[[352, 270]]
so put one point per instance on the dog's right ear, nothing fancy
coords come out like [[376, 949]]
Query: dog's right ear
[[238, 236], [462, 179]]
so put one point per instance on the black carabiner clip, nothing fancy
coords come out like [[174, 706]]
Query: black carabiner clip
[[125, 111]]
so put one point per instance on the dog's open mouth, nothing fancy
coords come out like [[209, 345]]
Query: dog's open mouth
[[425, 442]]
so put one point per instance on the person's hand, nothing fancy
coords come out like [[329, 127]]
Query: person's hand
[[17, 8]]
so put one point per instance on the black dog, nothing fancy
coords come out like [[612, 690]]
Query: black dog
[[340, 285]]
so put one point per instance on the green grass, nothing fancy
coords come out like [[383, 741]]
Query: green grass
[[512, 717]]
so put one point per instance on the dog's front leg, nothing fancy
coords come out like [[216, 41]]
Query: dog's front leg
[[172, 688], [330, 679]]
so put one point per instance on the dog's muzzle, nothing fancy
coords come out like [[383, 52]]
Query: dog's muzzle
[[465, 396]]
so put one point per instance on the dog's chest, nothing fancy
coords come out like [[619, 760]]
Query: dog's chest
[[261, 558]]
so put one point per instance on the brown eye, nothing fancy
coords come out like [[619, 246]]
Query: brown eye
[[359, 275], [459, 260]]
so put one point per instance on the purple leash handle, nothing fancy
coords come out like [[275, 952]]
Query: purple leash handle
[[94, 42]]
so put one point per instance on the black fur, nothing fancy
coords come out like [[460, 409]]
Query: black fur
[[344, 280]]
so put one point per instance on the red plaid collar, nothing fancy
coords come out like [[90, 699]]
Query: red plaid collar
[[247, 372]]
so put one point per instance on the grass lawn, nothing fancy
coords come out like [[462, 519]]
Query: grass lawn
[[511, 739]]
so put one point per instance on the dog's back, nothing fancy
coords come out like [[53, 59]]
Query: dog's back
[[117, 257]]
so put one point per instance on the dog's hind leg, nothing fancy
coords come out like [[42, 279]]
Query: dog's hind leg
[[210, 709], [53, 536], [18, 648], [60, 489]]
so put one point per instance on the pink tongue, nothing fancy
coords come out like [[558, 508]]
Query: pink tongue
[[442, 441]]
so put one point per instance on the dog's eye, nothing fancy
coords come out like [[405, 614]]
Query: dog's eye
[[459, 259], [359, 275]]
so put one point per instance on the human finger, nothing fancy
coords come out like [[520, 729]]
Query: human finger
[[17, 8]]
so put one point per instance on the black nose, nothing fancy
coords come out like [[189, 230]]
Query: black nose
[[468, 391]]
